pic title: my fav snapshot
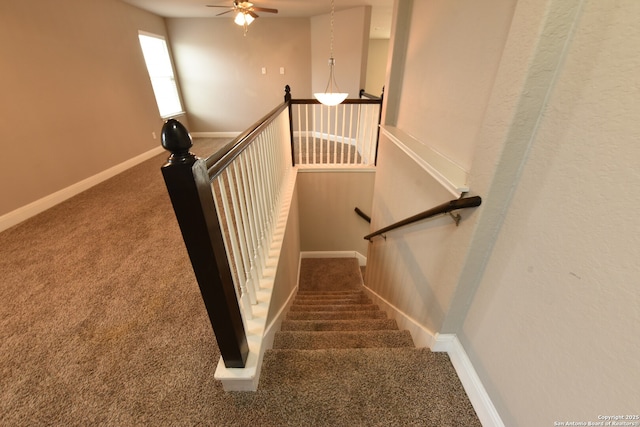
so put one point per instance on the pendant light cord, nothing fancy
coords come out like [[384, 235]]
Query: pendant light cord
[[331, 83], [331, 38]]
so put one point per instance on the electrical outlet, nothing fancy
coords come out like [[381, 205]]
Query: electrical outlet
[[281, 70], [264, 70], [153, 134]]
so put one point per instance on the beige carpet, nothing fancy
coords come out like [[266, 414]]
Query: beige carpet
[[102, 323]]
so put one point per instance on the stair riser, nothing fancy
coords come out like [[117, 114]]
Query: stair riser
[[304, 340], [350, 307], [339, 325], [329, 293], [332, 302], [335, 315]]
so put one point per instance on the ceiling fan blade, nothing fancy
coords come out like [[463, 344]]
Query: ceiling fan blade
[[264, 9], [217, 5], [252, 14], [219, 14]]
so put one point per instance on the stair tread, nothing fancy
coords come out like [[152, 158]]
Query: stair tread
[[332, 302], [332, 298], [341, 307], [387, 378], [335, 315], [340, 324], [343, 292], [311, 340]]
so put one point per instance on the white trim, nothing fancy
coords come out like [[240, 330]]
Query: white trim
[[444, 170], [323, 136], [362, 260], [214, 134], [247, 378], [275, 324], [334, 167], [470, 380], [422, 337], [34, 208]]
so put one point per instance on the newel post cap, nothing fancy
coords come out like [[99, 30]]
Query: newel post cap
[[176, 139]]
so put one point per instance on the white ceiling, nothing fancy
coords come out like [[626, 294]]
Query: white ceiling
[[381, 10]]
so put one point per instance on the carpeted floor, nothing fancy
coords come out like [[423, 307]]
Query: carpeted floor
[[102, 323]]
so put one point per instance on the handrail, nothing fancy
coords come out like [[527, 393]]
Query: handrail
[[346, 101], [362, 214], [364, 124], [218, 161], [368, 95], [452, 205]]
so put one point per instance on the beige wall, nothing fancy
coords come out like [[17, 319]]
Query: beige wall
[[327, 202], [287, 271], [409, 267], [428, 257], [553, 326], [449, 67], [544, 273], [350, 49], [76, 96], [376, 65], [221, 70]]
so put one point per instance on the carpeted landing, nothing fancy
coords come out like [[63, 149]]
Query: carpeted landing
[[341, 353]]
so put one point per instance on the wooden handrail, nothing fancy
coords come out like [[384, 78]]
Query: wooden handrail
[[346, 101], [362, 214], [452, 205], [368, 95], [218, 161]]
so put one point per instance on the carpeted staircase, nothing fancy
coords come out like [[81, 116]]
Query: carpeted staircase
[[342, 352], [338, 319]]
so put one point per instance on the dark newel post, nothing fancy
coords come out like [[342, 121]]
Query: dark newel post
[[189, 188], [287, 99], [375, 159]]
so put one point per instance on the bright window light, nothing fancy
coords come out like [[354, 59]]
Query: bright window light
[[156, 56]]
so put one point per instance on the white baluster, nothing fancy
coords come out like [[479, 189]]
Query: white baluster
[[231, 235], [240, 231]]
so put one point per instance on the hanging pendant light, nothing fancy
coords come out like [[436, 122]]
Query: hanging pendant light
[[331, 95]]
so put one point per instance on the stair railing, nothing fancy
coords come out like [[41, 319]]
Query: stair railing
[[344, 135], [448, 207], [227, 207], [362, 215]]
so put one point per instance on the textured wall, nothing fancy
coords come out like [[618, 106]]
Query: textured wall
[[409, 267], [350, 49], [220, 70], [327, 202], [76, 96], [377, 65], [553, 327], [451, 60]]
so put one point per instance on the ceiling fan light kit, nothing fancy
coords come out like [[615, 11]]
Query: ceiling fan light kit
[[243, 18], [245, 12], [330, 97]]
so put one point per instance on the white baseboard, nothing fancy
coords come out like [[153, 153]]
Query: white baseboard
[[478, 396], [362, 260], [214, 134], [32, 209], [274, 326], [422, 337]]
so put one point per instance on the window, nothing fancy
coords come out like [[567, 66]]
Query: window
[[156, 56]]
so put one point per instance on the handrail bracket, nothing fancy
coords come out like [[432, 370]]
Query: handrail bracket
[[456, 218]]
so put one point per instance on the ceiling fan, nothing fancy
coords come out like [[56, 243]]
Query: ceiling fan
[[245, 12]]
